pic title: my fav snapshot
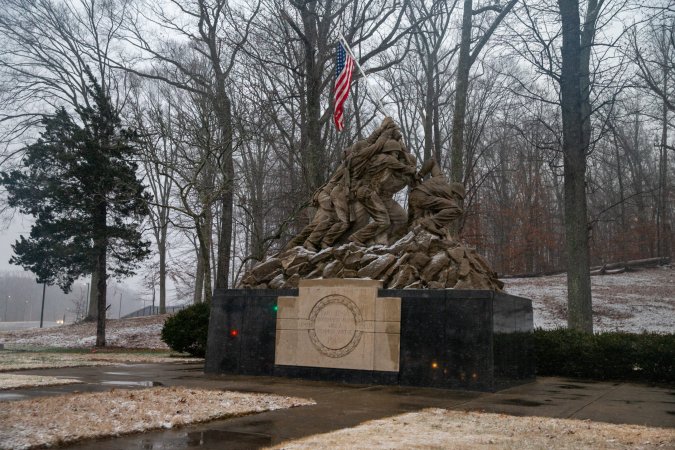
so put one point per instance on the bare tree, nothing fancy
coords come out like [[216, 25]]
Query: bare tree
[[152, 118], [432, 49], [656, 69], [217, 32], [48, 46], [467, 57], [298, 39]]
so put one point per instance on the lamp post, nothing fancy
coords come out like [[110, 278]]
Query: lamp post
[[6, 303], [42, 310]]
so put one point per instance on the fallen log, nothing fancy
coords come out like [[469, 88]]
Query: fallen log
[[607, 269], [648, 262]]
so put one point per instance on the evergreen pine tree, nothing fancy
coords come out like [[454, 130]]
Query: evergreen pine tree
[[79, 183]]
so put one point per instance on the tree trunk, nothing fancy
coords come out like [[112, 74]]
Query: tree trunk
[[204, 237], [437, 125], [101, 249], [199, 278], [461, 93], [579, 302], [162, 272], [429, 109], [92, 314], [663, 232], [312, 129], [227, 207]]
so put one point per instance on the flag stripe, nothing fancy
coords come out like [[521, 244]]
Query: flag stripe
[[343, 74]]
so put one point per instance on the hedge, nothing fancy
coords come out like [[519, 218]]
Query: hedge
[[187, 330], [646, 357]]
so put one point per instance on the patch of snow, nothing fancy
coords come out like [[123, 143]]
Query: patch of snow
[[14, 381], [58, 420], [136, 332], [439, 428], [631, 302]]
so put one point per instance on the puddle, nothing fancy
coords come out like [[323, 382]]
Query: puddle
[[628, 402], [265, 423], [672, 413], [11, 396], [409, 406], [131, 383], [571, 386], [227, 439], [521, 402]]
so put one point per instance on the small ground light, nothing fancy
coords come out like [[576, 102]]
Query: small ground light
[[275, 308], [434, 365], [234, 333]]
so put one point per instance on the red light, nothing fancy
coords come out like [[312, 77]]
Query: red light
[[234, 333]]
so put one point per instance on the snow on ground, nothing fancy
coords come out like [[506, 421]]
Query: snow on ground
[[58, 420], [25, 360], [136, 332], [440, 428], [633, 301], [14, 381]]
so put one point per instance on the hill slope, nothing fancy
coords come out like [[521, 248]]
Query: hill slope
[[633, 302]]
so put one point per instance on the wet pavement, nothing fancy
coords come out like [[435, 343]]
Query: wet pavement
[[341, 406]]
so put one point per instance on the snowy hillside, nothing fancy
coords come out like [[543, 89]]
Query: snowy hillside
[[634, 301]]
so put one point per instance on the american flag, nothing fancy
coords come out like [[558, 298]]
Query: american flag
[[343, 78]]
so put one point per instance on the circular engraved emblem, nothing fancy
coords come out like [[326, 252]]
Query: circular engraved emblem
[[334, 326]]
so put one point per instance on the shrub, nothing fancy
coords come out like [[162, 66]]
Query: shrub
[[187, 330], [646, 357]]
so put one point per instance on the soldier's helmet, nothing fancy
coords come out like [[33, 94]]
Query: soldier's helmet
[[391, 146]]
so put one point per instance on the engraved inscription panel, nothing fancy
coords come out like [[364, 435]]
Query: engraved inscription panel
[[339, 324], [334, 326]]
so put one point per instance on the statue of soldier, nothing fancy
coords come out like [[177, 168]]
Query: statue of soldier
[[347, 210], [377, 173], [311, 235], [435, 203]]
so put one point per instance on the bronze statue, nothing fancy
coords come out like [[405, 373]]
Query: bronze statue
[[359, 196], [378, 172], [434, 203], [357, 204]]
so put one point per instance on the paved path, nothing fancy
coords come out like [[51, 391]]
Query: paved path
[[339, 406]]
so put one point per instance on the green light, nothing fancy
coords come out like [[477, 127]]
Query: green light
[[275, 308]]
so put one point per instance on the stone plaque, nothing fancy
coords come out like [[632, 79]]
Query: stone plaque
[[335, 322], [341, 324]]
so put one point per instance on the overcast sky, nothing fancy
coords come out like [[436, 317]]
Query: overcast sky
[[8, 235], [20, 225]]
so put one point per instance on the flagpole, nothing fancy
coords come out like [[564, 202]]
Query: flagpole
[[379, 103]]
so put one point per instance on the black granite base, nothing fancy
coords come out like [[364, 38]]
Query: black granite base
[[474, 340]]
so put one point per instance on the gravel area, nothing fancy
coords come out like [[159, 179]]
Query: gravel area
[[14, 381], [633, 302], [50, 421], [440, 428], [23, 360]]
